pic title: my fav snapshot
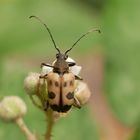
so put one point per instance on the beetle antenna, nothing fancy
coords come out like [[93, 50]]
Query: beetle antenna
[[47, 30], [92, 30]]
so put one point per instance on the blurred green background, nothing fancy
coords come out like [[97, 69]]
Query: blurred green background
[[24, 44]]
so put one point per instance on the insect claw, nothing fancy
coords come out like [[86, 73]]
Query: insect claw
[[78, 78], [43, 76]]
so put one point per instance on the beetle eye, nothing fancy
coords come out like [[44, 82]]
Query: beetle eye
[[57, 55], [66, 56]]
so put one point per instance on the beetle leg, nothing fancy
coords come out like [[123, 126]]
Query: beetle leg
[[43, 76], [46, 106], [76, 103], [78, 78], [48, 65], [71, 64]]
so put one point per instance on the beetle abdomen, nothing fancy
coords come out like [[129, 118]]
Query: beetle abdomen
[[60, 91]]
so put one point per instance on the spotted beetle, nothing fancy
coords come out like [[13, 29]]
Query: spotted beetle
[[60, 81]]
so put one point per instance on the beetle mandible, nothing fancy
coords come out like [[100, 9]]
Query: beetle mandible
[[60, 81]]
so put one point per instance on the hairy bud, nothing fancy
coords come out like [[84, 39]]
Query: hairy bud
[[31, 82], [82, 93], [11, 108]]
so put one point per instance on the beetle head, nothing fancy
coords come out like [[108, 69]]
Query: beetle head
[[60, 65]]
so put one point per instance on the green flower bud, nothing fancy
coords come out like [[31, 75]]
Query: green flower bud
[[31, 83], [11, 108], [82, 93]]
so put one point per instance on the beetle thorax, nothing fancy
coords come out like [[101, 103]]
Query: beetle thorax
[[61, 66]]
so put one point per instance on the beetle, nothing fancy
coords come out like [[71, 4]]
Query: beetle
[[60, 81]]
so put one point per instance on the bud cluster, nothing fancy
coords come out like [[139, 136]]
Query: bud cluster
[[37, 87]]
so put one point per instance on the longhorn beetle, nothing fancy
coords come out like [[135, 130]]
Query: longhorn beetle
[[60, 81]]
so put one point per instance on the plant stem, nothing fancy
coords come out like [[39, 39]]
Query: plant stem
[[29, 135], [50, 123]]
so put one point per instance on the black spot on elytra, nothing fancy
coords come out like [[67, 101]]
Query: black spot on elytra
[[65, 84], [50, 83], [51, 95], [58, 108], [71, 83], [70, 95], [56, 84]]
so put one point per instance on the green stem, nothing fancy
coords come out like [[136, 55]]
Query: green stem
[[29, 135], [50, 123]]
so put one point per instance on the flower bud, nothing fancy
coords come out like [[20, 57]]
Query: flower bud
[[11, 108], [31, 83], [82, 93], [75, 69], [45, 70]]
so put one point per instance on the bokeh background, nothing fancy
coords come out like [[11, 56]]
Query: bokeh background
[[110, 62]]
